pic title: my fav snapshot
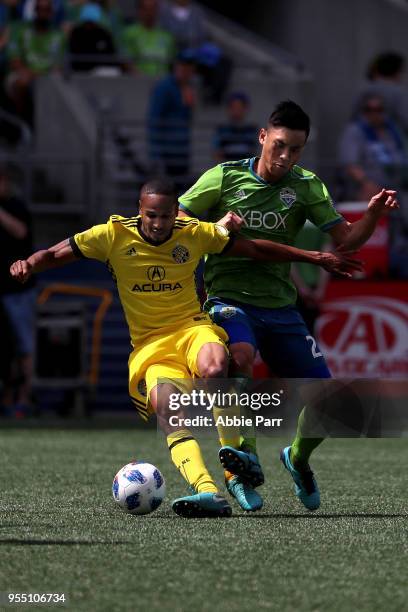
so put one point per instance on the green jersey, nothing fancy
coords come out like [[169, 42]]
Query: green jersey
[[269, 211], [312, 239], [39, 51], [151, 50]]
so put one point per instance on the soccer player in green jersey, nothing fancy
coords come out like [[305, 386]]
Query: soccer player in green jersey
[[255, 304]]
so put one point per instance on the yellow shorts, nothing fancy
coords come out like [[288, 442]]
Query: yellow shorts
[[171, 356]]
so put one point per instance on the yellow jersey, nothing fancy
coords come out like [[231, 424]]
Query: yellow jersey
[[156, 283]]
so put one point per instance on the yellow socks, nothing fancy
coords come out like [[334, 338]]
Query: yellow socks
[[186, 456], [229, 435], [237, 435]]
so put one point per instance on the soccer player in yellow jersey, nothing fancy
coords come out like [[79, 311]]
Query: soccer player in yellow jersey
[[153, 257]]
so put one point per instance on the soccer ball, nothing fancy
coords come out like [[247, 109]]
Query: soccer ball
[[139, 488]]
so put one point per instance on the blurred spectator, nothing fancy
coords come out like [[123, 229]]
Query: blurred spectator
[[384, 79], [373, 155], [25, 10], [35, 48], [9, 15], [186, 22], [170, 114], [372, 152], [311, 281], [4, 39], [10, 130], [112, 19], [90, 44], [237, 138], [73, 10], [150, 49], [18, 301], [73, 7], [6, 358], [9, 10], [214, 68]]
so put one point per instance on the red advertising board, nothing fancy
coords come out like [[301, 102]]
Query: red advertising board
[[374, 252], [363, 329]]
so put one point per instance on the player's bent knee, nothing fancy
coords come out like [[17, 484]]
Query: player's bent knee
[[242, 357], [213, 361], [214, 369]]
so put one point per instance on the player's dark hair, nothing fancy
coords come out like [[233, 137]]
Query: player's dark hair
[[288, 114], [160, 186], [388, 64]]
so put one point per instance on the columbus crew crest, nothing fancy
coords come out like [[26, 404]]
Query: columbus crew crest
[[180, 254], [287, 195]]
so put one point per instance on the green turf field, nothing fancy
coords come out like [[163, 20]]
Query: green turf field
[[61, 532]]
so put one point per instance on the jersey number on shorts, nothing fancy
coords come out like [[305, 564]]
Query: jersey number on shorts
[[315, 352]]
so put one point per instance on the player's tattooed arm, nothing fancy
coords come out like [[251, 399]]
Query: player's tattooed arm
[[57, 255], [267, 250]]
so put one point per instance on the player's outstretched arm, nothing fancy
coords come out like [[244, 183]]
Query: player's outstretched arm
[[57, 255], [231, 221], [266, 250], [351, 236]]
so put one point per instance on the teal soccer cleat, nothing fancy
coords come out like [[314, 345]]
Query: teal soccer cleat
[[246, 496], [306, 487], [243, 464], [202, 505]]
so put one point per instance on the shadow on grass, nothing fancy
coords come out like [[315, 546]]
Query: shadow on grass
[[30, 525], [307, 516], [362, 515], [24, 542]]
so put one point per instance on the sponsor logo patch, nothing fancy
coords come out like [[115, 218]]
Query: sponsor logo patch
[[256, 219], [131, 251], [156, 287], [240, 194], [156, 274]]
